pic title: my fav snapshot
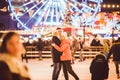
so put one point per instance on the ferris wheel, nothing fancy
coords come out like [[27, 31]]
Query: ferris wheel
[[30, 13]]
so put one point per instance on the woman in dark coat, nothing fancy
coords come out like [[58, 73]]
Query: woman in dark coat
[[99, 68], [11, 66]]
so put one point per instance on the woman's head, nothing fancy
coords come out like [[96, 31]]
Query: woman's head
[[105, 41], [55, 33], [63, 36], [11, 44]]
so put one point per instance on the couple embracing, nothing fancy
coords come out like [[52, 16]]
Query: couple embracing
[[61, 54]]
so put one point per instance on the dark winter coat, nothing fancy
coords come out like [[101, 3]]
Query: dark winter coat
[[99, 68], [6, 21], [95, 43], [115, 50], [40, 45], [55, 53]]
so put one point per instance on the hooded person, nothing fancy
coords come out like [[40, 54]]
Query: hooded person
[[6, 21], [99, 68]]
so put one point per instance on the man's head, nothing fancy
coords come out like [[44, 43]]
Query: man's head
[[59, 31]]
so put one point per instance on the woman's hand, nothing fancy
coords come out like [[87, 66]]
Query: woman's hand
[[53, 44]]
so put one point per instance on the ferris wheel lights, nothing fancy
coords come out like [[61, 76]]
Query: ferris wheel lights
[[44, 12]]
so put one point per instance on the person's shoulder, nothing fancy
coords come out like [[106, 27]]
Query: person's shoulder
[[55, 38]]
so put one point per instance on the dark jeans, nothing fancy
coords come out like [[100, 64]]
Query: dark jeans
[[68, 68], [117, 66], [56, 71]]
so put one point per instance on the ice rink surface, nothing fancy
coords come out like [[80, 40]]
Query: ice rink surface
[[41, 70]]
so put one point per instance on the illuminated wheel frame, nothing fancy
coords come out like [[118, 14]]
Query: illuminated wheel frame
[[52, 12]]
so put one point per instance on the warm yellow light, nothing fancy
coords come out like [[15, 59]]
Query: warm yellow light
[[104, 6], [113, 6], [37, 1], [118, 6], [94, 5], [25, 0], [90, 5], [108, 6]]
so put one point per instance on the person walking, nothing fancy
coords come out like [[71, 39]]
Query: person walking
[[11, 66], [106, 47], [66, 57], [81, 44], [40, 46], [115, 50], [75, 47], [56, 54]]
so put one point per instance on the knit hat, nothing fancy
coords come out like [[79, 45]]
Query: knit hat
[[3, 3]]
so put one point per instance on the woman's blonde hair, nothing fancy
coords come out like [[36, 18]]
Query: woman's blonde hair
[[63, 36], [55, 33]]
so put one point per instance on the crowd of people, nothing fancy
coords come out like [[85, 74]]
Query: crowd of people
[[99, 68], [12, 68]]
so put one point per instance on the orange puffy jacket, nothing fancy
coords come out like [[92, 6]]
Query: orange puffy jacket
[[65, 49]]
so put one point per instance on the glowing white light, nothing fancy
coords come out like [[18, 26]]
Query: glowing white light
[[118, 6], [90, 5], [104, 6], [108, 5], [113, 6]]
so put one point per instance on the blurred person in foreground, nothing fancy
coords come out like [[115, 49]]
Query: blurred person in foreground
[[115, 50], [99, 68], [56, 54], [66, 56], [11, 66]]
